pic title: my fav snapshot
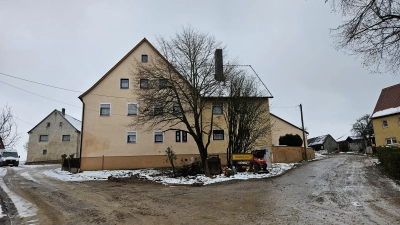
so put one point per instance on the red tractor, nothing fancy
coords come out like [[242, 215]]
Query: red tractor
[[258, 161]]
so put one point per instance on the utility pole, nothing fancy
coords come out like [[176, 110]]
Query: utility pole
[[304, 135]]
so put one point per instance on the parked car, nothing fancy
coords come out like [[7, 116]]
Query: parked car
[[9, 157]]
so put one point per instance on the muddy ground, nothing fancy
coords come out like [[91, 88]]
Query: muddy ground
[[342, 189]]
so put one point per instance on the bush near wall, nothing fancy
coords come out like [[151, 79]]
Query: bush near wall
[[389, 157]]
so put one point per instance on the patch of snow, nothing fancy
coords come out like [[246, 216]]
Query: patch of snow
[[25, 208], [157, 176], [74, 122], [317, 140], [356, 204], [319, 156], [27, 176], [386, 112]]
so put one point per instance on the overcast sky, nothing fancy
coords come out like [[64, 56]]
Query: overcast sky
[[288, 44]]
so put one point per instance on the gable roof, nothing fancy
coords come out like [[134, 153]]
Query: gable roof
[[318, 140], [144, 40], [388, 102], [288, 123], [75, 123]]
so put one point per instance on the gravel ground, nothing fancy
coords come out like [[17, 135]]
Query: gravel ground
[[342, 189]]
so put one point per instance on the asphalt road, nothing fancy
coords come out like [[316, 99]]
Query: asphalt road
[[342, 189]]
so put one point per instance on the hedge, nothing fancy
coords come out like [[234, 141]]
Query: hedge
[[389, 157]]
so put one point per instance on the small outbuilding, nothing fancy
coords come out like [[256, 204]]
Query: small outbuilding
[[321, 143]]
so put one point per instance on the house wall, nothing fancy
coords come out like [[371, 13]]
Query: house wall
[[55, 146], [281, 128], [355, 146], [287, 154], [106, 135], [393, 129], [219, 123], [330, 144]]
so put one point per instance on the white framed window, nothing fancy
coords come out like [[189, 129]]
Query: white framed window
[[390, 141], [43, 138], [178, 136], [124, 83], [131, 137], [384, 123], [66, 138], [218, 134], [105, 109], [217, 108], [158, 136], [132, 108]]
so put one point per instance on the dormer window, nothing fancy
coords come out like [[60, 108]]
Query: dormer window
[[145, 58]]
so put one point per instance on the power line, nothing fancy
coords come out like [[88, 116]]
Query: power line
[[57, 100], [61, 88]]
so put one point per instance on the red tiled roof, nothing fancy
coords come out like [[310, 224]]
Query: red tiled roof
[[389, 98]]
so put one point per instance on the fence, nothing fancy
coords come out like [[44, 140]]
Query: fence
[[288, 154]]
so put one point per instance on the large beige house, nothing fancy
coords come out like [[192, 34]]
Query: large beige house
[[281, 127], [57, 134], [111, 141]]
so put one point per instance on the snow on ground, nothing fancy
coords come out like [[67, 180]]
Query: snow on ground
[[157, 176], [25, 208], [319, 156]]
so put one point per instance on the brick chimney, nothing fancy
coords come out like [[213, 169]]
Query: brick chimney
[[63, 111]]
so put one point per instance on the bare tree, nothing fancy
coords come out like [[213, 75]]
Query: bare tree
[[246, 114], [371, 30], [173, 88], [362, 125], [363, 128], [8, 128]]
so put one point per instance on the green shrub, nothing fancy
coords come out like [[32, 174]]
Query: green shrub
[[389, 157]]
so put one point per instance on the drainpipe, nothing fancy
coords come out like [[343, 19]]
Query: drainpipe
[[83, 119]]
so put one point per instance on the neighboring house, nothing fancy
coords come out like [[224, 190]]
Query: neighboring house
[[57, 134], [1, 144], [324, 142], [386, 116], [350, 143], [111, 141], [281, 127]]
